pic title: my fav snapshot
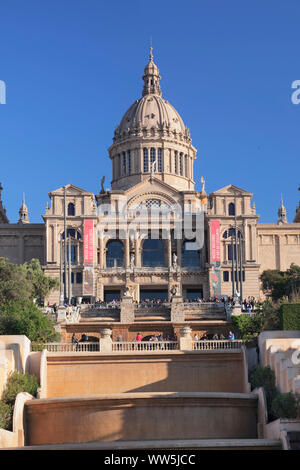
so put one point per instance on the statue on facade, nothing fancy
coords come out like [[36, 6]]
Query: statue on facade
[[174, 290], [132, 261], [174, 261], [203, 185], [127, 292], [102, 185]]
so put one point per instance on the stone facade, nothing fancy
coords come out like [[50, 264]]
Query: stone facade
[[152, 170]]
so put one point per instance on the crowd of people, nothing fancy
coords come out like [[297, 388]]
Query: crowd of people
[[214, 337], [111, 304], [150, 303], [202, 300]]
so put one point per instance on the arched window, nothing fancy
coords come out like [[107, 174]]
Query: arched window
[[71, 232], [153, 253], [231, 232], [190, 254], [231, 208], [71, 209], [146, 164], [114, 254]]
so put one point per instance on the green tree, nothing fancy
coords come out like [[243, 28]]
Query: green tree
[[13, 282], [281, 284], [26, 318], [41, 285]]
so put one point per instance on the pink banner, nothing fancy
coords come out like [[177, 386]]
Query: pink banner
[[88, 243], [215, 254]]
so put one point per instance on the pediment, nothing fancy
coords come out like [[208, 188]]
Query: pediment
[[152, 186], [230, 190], [71, 190]]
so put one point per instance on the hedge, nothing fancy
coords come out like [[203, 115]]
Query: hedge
[[290, 316]]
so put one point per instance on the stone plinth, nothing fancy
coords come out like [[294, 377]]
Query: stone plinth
[[127, 310], [177, 309], [186, 341], [61, 314], [105, 340]]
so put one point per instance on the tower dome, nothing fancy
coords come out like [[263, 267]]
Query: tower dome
[[23, 213], [152, 134]]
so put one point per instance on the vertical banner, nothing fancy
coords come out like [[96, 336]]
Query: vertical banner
[[88, 243], [215, 258], [88, 257]]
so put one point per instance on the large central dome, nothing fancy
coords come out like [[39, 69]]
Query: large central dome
[[151, 111], [152, 139]]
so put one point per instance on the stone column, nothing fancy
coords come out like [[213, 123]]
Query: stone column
[[105, 340], [169, 252], [186, 341], [127, 254], [101, 251], [179, 251]]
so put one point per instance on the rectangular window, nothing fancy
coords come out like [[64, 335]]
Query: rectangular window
[[128, 162], [230, 252], [78, 278], [123, 163], [175, 163], [159, 160], [239, 276], [152, 158], [225, 276], [146, 164], [181, 164]]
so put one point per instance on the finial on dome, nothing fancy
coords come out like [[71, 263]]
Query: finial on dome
[[282, 213], [23, 212], [151, 54], [151, 77]]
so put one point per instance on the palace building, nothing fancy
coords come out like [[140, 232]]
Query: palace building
[[153, 233]]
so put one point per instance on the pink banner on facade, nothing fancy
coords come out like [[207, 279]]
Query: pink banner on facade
[[88, 243], [215, 254]]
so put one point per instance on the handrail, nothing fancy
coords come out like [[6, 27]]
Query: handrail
[[143, 346], [207, 344]]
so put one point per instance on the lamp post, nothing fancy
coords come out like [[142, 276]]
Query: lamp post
[[61, 288], [70, 273], [65, 245]]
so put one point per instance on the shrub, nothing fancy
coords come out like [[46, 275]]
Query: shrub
[[16, 383], [5, 415], [263, 377], [247, 327], [26, 318], [286, 405], [290, 316]]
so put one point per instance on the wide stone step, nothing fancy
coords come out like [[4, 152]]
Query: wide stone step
[[156, 416], [174, 444]]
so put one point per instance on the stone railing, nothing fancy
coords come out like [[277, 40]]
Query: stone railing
[[106, 345], [68, 347], [144, 346], [204, 345]]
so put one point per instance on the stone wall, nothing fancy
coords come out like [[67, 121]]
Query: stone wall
[[194, 371], [156, 416]]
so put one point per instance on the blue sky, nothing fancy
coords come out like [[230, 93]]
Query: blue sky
[[72, 68]]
